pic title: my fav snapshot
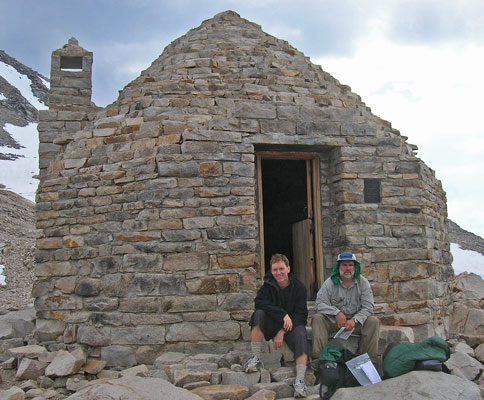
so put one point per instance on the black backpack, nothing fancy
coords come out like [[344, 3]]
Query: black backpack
[[335, 374]]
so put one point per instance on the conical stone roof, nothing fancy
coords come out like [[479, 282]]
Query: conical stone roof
[[243, 69], [230, 55]]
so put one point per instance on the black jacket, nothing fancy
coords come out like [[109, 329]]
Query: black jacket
[[268, 299]]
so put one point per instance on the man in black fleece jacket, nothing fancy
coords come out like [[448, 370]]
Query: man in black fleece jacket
[[281, 314]]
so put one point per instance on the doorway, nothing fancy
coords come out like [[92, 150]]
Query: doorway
[[288, 208]]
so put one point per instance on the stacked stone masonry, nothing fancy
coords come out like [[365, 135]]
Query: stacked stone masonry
[[148, 209]]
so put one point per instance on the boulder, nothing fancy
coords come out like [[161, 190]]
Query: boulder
[[139, 370], [8, 344], [201, 366], [416, 385], [282, 389], [133, 388], [76, 383], [169, 358], [394, 334], [30, 351], [182, 377], [463, 347], [30, 369], [463, 365], [479, 352], [263, 395], [467, 287], [218, 392], [14, 393], [240, 378], [284, 374], [467, 315], [66, 363], [17, 324], [93, 367]]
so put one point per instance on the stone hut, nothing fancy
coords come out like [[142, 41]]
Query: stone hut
[[158, 214]]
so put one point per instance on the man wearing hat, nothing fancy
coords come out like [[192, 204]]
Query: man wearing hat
[[346, 300]]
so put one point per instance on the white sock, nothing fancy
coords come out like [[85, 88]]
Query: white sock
[[300, 371], [256, 348]]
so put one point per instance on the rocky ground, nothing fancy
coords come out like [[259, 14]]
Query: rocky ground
[[17, 241]]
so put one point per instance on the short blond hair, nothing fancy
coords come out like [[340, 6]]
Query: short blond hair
[[279, 257]]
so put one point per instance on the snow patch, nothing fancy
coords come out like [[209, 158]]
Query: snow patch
[[2, 97], [22, 83], [467, 260], [45, 82], [2, 277], [17, 175]]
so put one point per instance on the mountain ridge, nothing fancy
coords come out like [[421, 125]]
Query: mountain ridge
[[15, 108]]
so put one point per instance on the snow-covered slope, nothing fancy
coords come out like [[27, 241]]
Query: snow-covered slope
[[18, 175], [22, 93], [467, 260]]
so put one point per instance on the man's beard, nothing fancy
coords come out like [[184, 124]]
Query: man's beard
[[348, 276]]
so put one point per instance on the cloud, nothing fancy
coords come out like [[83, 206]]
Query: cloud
[[436, 21]]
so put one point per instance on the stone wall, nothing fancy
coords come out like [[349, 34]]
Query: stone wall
[[148, 209]]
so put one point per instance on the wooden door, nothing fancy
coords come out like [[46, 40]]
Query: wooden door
[[303, 250]]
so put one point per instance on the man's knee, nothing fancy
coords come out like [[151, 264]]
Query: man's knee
[[318, 320], [300, 332], [372, 325], [258, 318], [321, 322], [316, 317]]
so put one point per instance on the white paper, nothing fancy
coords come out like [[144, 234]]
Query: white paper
[[371, 372], [342, 334], [363, 370]]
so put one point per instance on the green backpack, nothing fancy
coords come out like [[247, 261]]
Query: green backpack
[[333, 371]]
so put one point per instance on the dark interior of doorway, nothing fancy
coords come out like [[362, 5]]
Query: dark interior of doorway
[[285, 201]]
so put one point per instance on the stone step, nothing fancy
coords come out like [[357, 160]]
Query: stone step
[[388, 334]]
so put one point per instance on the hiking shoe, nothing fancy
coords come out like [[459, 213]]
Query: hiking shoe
[[300, 388], [253, 364]]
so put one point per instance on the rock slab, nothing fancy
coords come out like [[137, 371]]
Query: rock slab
[[132, 388], [416, 385]]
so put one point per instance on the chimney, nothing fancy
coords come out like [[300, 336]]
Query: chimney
[[70, 78], [70, 104]]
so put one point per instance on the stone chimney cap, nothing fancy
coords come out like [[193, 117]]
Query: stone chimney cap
[[72, 48]]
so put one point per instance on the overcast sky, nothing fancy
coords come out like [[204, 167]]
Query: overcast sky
[[417, 63]]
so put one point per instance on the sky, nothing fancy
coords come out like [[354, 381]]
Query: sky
[[415, 63]]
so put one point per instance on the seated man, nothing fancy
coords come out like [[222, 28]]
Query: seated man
[[346, 300], [281, 314]]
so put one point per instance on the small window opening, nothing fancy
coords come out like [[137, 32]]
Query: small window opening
[[372, 192], [71, 63]]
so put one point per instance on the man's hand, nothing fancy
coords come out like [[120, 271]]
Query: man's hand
[[350, 324], [340, 319], [278, 339], [287, 323]]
